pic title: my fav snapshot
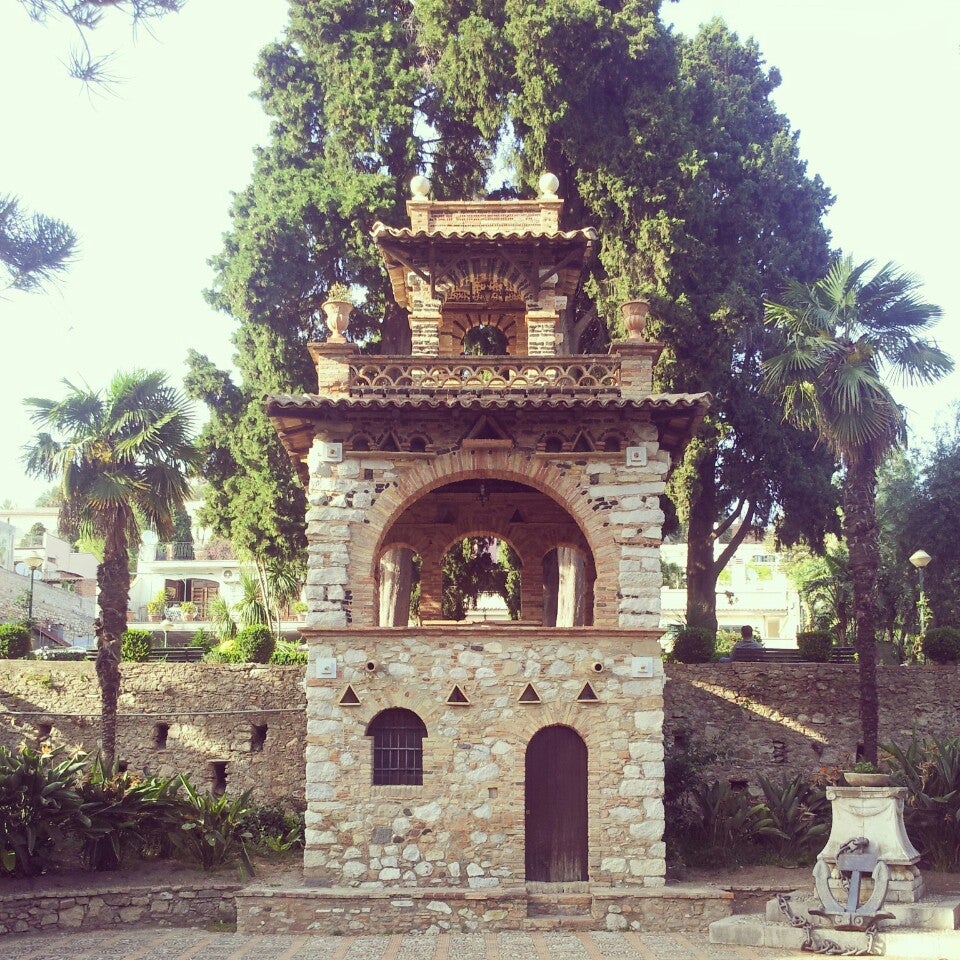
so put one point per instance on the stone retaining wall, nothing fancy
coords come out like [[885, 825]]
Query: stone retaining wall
[[771, 719], [51, 603], [166, 906]]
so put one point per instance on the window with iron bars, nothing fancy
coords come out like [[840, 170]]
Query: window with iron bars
[[397, 747]]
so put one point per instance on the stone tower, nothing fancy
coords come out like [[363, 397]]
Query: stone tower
[[450, 757]]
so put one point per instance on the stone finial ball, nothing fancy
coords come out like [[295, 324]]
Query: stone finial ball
[[420, 187], [548, 185]]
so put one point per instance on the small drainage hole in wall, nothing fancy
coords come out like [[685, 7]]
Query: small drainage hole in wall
[[258, 737], [219, 775], [160, 733]]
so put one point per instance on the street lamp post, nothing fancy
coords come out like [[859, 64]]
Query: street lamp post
[[920, 559], [34, 562]]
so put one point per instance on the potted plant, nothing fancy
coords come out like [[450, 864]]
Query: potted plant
[[158, 605], [337, 309], [300, 608], [865, 774], [188, 609]]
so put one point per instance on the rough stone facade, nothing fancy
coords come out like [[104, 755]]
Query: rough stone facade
[[181, 905], [243, 724], [770, 719], [54, 604], [465, 825]]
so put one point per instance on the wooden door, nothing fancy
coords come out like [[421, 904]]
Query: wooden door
[[556, 806]]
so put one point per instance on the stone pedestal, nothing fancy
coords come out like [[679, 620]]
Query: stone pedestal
[[877, 814]]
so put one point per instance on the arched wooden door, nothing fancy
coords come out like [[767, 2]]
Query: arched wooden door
[[556, 806]]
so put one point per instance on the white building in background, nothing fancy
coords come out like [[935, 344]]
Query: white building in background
[[752, 589]]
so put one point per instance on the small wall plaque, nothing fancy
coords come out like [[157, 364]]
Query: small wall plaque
[[636, 456], [641, 666], [326, 668], [332, 453]]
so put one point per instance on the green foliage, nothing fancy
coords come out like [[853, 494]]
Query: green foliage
[[122, 813], [942, 644], [865, 766], [135, 645], [224, 626], [212, 830], [815, 645], [726, 639], [478, 565], [224, 652], [157, 604], [288, 654], [202, 639], [33, 248], [39, 805], [255, 644], [800, 813], [693, 645], [14, 641], [930, 770], [674, 576], [273, 829], [727, 821], [825, 588]]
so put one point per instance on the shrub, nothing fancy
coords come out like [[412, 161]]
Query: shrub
[[815, 645], [800, 813], [273, 829], [203, 640], [14, 641], [693, 645], [225, 652], [726, 823], [135, 645], [942, 644], [123, 813], [255, 644], [725, 642], [39, 805], [930, 770], [212, 831], [288, 654]]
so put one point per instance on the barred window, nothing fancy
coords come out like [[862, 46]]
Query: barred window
[[397, 747]]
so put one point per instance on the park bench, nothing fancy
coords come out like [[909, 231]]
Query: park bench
[[167, 654], [837, 655]]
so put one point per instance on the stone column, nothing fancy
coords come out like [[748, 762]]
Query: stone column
[[571, 588], [637, 360], [396, 576], [542, 333], [551, 582], [333, 365]]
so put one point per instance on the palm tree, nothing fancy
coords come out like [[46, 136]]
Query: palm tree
[[840, 335], [120, 459]]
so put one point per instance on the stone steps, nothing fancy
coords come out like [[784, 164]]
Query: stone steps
[[558, 904]]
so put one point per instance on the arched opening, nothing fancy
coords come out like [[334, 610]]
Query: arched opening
[[397, 747], [555, 787], [481, 581], [485, 340]]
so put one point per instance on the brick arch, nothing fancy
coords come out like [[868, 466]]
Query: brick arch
[[422, 477]]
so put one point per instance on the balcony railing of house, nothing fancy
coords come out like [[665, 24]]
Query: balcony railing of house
[[185, 550], [574, 375]]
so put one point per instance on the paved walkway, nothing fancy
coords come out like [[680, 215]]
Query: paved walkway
[[152, 944]]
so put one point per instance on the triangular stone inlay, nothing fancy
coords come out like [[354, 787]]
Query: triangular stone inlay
[[457, 696], [587, 694], [530, 694], [349, 698]]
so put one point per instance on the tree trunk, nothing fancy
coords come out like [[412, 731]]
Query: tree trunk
[[396, 581], [701, 570], [860, 528], [113, 579], [571, 586]]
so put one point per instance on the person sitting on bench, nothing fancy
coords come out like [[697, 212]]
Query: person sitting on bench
[[746, 648]]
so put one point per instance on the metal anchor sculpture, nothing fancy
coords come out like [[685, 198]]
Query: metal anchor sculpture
[[857, 859]]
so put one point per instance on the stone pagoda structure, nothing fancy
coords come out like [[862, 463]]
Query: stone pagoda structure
[[452, 763]]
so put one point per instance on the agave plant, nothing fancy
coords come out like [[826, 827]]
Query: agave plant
[[800, 813]]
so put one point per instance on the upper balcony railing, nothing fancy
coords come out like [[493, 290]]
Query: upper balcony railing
[[185, 550], [583, 375]]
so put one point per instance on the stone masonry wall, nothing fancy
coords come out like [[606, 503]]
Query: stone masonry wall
[[213, 713], [465, 825], [770, 719], [76, 613], [353, 504]]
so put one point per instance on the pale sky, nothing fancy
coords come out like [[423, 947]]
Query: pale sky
[[144, 173]]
